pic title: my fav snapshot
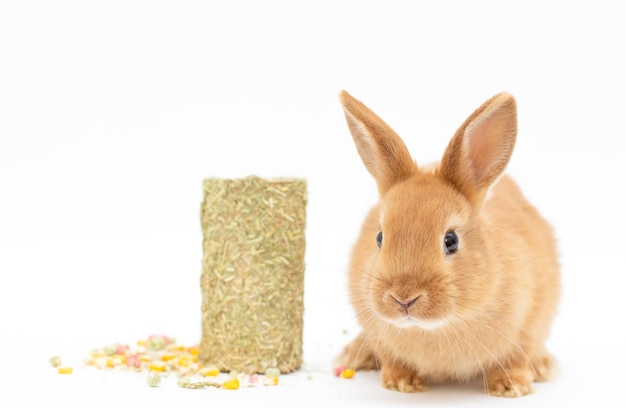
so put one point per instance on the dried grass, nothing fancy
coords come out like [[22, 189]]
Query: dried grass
[[252, 279]]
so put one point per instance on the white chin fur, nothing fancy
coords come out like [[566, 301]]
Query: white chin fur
[[409, 321]]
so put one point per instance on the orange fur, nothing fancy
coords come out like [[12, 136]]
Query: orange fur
[[429, 316]]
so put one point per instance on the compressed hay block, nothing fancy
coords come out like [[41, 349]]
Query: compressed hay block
[[252, 279]]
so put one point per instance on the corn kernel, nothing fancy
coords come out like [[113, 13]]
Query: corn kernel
[[65, 370], [157, 366], [210, 371], [231, 384], [168, 357], [347, 373], [183, 361]]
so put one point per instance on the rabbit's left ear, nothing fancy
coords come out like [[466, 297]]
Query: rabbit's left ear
[[383, 152], [481, 148]]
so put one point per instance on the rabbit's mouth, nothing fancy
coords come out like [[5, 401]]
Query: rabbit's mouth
[[407, 321]]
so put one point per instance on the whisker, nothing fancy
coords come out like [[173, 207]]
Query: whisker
[[472, 350], [506, 372], [502, 335]]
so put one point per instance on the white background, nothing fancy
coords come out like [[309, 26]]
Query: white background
[[112, 113]]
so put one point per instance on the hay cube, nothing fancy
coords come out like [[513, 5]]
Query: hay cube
[[252, 279]]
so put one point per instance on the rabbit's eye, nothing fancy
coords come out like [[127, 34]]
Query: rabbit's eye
[[451, 242], [379, 239]]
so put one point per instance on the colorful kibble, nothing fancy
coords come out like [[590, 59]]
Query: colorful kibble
[[337, 371], [231, 384], [65, 370], [157, 366], [272, 372], [347, 373], [270, 381], [153, 379], [210, 371], [157, 343], [183, 381], [168, 357], [133, 361], [160, 355], [184, 361], [55, 361]]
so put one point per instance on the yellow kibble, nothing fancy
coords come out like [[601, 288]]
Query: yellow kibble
[[210, 371], [183, 361], [65, 370], [145, 358], [194, 351], [168, 357], [176, 347], [347, 373], [157, 366], [142, 343], [231, 384]]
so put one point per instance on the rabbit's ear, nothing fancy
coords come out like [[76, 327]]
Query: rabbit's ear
[[482, 147], [383, 152]]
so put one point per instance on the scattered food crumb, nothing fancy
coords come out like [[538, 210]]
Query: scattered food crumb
[[153, 379], [65, 370]]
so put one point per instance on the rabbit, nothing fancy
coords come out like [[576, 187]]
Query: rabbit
[[454, 276]]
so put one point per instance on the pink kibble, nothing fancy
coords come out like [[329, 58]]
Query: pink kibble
[[338, 370], [122, 349], [253, 378], [133, 361]]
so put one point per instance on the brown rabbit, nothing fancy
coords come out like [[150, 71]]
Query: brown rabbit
[[454, 276]]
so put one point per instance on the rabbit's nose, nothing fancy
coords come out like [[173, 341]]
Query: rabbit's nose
[[406, 304]]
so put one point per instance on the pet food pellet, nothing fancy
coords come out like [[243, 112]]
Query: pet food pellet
[[231, 384], [210, 371], [55, 361], [153, 379], [183, 361], [184, 382], [157, 366], [157, 343], [272, 372], [337, 371], [347, 373], [65, 370], [270, 381], [168, 357]]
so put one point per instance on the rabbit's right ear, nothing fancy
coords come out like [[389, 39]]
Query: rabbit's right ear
[[482, 147], [383, 152]]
